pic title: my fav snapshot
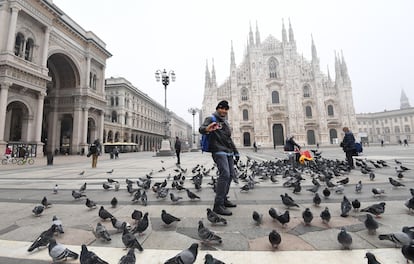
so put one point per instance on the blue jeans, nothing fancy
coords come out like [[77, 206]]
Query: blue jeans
[[225, 166]]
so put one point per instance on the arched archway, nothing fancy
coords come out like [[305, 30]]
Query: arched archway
[[246, 139], [17, 115], [278, 137], [310, 134], [333, 134]]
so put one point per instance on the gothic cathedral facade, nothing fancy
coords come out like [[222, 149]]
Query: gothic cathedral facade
[[275, 92]]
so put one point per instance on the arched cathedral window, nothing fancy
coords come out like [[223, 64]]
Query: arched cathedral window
[[114, 117], [330, 110], [308, 111], [28, 53], [306, 91], [245, 115], [244, 94], [19, 43], [275, 97], [273, 68]]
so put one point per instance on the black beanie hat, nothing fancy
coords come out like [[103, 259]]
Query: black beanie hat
[[223, 104]]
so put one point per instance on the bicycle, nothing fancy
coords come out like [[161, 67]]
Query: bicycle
[[9, 160], [23, 161]]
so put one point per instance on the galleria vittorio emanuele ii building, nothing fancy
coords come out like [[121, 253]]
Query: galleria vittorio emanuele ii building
[[275, 92]]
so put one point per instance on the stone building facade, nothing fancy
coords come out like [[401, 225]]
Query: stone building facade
[[51, 77], [132, 116], [275, 92], [391, 126]]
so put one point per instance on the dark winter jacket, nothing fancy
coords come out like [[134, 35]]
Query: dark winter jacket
[[290, 145], [348, 143], [220, 139]]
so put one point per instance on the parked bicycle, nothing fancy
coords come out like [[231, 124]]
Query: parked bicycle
[[9, 160]]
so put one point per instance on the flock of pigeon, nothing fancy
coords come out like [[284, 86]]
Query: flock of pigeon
[[320, 170]]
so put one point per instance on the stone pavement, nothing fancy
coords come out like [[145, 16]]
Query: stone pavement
[[23, 187]]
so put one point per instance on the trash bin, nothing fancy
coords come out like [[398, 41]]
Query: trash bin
[[49, 158]]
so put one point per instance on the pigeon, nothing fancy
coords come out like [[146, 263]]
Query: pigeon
[[174, 198], [371, 224], [192, 195], [117, 186], [114, 202], [288, 201], [375, 209], [326, 193], [209, 259], [339, 189], [410, 204], [377, 191], [398, 238], [137, 196], [371, 258], [59, 252], [215, 218], [142, 225], [207, 235], [284, 218], [307, 216], [129, 258], [111, 180], [358, 187], [119, 225], [395, 183], [45, 202], [168, 218], [345, 207], [55, 189], [89, 257], [38, 210], [58, 223], [274, 238], [257, 218], [90, 204], [273, 213], [325, 215], [317, 199], [343, 181], [82, 188], [408, 252], [187, 256], [77, 195], [43, 239], [371, 176], [104, 214], [106, 186], [344, 239], [110, 172], [356, 204], [130, 240], [136, 215], [314, 189], [81, 173], [144, 199], [101, 232]]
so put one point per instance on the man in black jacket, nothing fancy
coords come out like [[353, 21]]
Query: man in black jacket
[[177, 147], [348, 145], [224, 152]]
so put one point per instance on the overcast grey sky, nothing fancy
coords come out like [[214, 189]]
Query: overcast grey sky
[[376, 37]]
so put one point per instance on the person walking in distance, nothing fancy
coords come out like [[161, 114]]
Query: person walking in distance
[[94, 151], [223, 152], [177, 147], [348, 145]]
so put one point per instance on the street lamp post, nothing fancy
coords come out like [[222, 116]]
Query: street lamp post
[[165, 77], [194, 111]]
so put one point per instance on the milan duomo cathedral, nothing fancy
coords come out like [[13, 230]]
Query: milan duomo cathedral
[[275, 92]]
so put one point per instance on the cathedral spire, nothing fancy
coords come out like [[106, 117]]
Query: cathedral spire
[[314, 53], [329, 75], [251, 40], [344, 69], [232, 59], [257, 35], [284, 36], [337, 69], [213, 74], [291, 37], [207, 82], [404, 103]]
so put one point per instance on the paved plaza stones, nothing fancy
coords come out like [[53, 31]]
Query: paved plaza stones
[[23, 187]]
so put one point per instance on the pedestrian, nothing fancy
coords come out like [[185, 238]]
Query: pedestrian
[[348, 145], [290, 145], [400, 142], [177, 147], [116, 152], [405, 142], [94, 151], [8, 153], [255, 146], [224, 153], [382, 142]]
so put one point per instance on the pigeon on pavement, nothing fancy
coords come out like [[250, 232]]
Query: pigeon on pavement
[[82, 188], [325, 216], [101, 232], [187, 256], [192, 195], [58, 223], [104, 214], [129, 258], [45, 202], [136, 215], [89, 257], [398, 238], [59, 252], [168, 218], [371, 224], [129, 240], [274, 238], [344, 239], [375, 209], [114, 202], [215, 218], [356, 204], [257, 218], [371, 258], [142, 225], [38, 210], [209, 259], [90, 204], [408, 251], [77, 195], [43, 239], [307, 216], [207, 235], [345, 207]]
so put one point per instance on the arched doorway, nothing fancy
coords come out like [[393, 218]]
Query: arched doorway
[[17, 118], [58, 113], [246, 139], [310, 134], [278, 137], [333, 134]]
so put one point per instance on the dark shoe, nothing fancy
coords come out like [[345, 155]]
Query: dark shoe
[[221, 210], [227, 203]]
